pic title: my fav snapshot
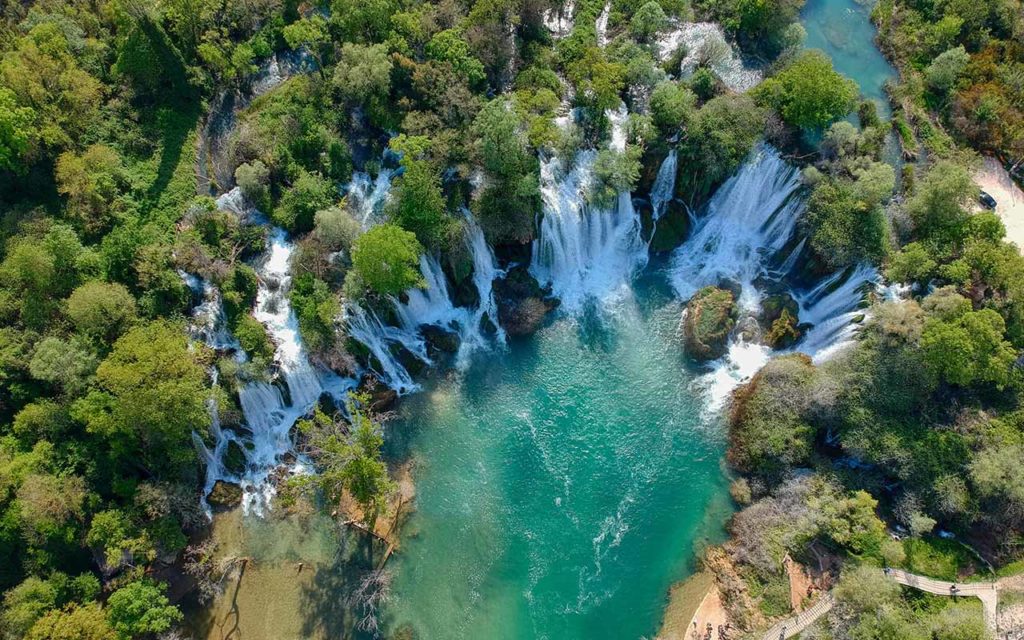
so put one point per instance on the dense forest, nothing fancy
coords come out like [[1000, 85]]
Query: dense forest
[[107, 178]]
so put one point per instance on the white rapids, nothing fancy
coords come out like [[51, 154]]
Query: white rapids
[[706, 45]]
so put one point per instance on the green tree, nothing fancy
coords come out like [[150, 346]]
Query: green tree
[[721, 136], [102, 310], [672, 107], [969, 349], [363, 76], [76, 622], [943, 72], [150, 395], [386, 259], [450, 46], [141, 608], [507, 205], [648, 21], [67, 364], [17, 131], [417, 203], [808, 92], [91, 182], [938, 207], [299, 204], [311, 33]]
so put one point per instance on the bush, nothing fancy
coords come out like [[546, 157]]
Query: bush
[[809, 93], [386, 259]]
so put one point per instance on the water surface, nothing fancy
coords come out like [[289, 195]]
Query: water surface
[[563, 485], [843, 29]]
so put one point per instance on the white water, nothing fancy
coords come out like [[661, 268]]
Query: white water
[[601, 25], [432, 305], [269, 415], [664, 187], [747, 223], [559, 21], [706, 45], [583, 252], [367, 196], [749, 219]]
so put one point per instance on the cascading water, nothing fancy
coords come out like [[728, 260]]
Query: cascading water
[[367, 195], [432, 305], [747, 223], [749, 219], [664, 187], [601, 25], [705, 45], [269, 416], [583, 252]]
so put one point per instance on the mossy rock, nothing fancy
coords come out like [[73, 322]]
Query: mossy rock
[[671, 229], [440, 339], [780, 317], [234, 458], [225, 495], [709, 319]]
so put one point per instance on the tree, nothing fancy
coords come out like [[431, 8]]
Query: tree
[[450, 46], [16, 131], [995, 472], [648, 21], [809, 93], [845, 228], [91, 182], [311, 33], [67, 364], [363, 76], [946, 69], [348, 457], [721, 136], [253, 178], [25, 604], [938, 207], [386, 259], [672, 107], [76, 622], [969, 349], [336, 228], [417, 203], [149, 397], [299, 205], [507, 204], [141, 608], [102, 310]]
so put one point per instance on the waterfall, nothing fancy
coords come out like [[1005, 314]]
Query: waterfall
[[379, 338], [269, 412], [748, 220], [601, 25], [432, 305], [705, 45], [366, 195], [664, 187], [831, 306], [747, 223], [584, 252]]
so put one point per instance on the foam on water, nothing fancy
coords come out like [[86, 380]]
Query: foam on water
[[581, 251], [706, 45]]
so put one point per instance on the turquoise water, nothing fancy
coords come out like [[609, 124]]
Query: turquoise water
[[563, 485], [843, 29]]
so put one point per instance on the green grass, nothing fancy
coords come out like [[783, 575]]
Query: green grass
[[937, 558]]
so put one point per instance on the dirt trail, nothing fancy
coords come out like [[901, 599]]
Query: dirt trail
[[993, 179]]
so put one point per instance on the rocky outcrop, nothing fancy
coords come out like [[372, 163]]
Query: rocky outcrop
[[523, 305], [709, 318], [225, 495], [780, 319], [672, 228]]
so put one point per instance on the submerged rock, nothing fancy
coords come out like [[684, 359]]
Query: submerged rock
[[672, 228], [707, 322], [440, 339], [523, 304], [225, 495], [234, 458]]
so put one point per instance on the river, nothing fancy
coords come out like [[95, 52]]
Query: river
[[563, 486]]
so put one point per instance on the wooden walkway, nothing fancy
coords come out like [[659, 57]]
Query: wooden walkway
[[987, 592], [794, 625]]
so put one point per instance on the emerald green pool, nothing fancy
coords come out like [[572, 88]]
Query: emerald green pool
[[563, 485]]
